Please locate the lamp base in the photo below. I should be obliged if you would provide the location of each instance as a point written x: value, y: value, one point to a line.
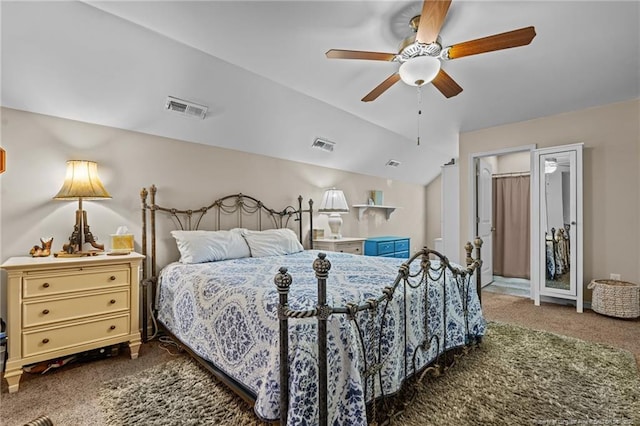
x: 335, y: 223
x: 76, y: 239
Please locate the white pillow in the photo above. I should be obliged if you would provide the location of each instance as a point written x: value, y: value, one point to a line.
x: 210, y: 246
x: 272, y: 242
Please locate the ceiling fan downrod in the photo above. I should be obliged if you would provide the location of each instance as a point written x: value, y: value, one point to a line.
x: 419, y: 110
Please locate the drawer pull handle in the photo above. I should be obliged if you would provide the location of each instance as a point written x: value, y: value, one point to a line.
x: 45, y: 312
x: 45, y: 341
x: 113, y: 327
x: 112, y: 277
x: 112, y: 301
x: 45, y: 285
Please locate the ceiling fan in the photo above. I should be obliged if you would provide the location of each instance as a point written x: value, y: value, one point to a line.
x: 421, y: 55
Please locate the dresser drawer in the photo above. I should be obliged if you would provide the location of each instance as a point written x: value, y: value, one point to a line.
x: 353, y: 248
x: 401, y: 245
x: 42, y: 312
x: 51, y: 339
x: 401, y: 254
x: 74, y: 280
x: 385, y: 248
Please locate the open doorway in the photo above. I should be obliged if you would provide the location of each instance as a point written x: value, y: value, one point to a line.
x: 501, y: 215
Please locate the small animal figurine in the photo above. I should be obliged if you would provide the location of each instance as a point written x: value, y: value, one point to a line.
x: 43, y: 251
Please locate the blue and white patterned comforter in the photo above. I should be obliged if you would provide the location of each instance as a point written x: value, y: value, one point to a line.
x: 227, y: 313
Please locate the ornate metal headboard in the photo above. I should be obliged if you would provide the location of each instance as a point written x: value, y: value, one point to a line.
x: 237, y: 206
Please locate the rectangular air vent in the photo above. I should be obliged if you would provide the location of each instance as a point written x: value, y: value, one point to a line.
x: 186, y: 108
x: 393, y: 163
x: 323, y: 144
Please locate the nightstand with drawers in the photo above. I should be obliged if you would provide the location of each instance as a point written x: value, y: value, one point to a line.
x: 387, y: 247
x: 62, y: 306
x: 343, y: 245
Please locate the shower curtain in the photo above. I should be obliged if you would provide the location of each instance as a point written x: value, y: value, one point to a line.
x: 511, y: 218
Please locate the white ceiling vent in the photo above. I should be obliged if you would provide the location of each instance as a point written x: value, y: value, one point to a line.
x: 393, y: 163
x: 323, y: 144
x: 186, y: 108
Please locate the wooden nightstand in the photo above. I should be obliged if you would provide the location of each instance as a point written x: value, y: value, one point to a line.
x: 61, y: 306
x: 343, y: 245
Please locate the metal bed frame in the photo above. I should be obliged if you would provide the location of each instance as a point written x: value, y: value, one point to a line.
x: 374, y: 359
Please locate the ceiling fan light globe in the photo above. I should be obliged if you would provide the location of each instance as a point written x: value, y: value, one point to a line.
x: 419, y: 70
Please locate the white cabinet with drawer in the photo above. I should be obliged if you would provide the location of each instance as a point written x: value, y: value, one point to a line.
x: 343, y: 245
x: 61, y: 306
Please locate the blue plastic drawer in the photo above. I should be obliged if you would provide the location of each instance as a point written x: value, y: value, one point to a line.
x: 402, y: 245
x: 385, y: 248
x: 402, y: 254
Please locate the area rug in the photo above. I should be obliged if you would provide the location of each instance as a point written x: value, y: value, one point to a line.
x: 517, y: 376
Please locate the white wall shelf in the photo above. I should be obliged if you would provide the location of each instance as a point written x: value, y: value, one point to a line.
x: 364, y: 207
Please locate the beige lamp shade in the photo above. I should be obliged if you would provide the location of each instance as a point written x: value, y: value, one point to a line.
x: 333, y: 201
x: 82, y: 181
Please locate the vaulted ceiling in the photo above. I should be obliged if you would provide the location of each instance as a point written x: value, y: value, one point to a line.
x: 260, y: 67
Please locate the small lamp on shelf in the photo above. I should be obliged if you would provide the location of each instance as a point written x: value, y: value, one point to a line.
x: 81, y: 182
x: 334, y: 204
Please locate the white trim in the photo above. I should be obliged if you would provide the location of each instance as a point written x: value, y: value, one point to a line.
x: 473, y: 196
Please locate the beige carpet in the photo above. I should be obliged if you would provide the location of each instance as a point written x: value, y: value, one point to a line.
x: 70, y: 396
x: 562, y: 319
x: 542, y: 378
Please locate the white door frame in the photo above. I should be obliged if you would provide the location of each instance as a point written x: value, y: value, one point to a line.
x: 473, y: 196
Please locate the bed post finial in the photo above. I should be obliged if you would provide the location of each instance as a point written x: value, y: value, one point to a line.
x: 468, y: 248
x: 322, y: 266
x: 283, y: 281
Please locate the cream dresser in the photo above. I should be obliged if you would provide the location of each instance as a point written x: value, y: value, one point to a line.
x: 343, y: 245
x: 61, y: 306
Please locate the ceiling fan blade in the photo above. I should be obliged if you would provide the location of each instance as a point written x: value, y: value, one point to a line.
x: 514, y: 38
x: 381, y: 88
x: 446, y: 85
x: 359, y: 54
x: 431, y: 20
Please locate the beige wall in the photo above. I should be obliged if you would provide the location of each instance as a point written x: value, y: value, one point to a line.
x: 187, y: 175
x: 513, y: 163
x: 433, y: 195
x: 611, y: 137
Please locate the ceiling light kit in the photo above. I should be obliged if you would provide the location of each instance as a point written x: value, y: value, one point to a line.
x: 421, y: 54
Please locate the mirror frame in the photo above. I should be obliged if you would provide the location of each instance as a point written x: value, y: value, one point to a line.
x: 538, y: 276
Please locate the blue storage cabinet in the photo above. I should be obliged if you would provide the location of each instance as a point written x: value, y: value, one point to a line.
x: 387, y: 247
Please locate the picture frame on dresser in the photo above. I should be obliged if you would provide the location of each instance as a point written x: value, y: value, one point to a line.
x: 62, y: 306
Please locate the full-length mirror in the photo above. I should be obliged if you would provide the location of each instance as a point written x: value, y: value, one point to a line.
x: 556, y: 220
x: 557, y: 223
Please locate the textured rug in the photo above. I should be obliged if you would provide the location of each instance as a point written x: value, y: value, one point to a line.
x: 517, y: 376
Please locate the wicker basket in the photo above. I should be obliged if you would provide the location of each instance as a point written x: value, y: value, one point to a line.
x: 615, y: 298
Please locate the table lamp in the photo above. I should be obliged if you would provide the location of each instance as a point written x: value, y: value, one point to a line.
x: 81, y: 182
x: 334, y: 203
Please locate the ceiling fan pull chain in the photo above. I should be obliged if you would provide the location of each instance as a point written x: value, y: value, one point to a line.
x: 419, y: 111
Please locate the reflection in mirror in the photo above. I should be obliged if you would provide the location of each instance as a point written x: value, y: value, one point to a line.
x: 557, y: 221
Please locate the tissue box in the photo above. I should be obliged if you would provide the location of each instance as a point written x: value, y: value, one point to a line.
x: 121, y: 243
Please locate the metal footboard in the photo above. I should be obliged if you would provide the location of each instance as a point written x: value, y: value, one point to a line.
x: 374, y: 355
